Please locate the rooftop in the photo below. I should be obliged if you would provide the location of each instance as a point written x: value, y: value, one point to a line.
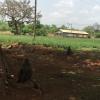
x: 74, y: 32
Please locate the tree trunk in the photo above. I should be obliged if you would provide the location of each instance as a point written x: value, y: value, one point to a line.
x: 16, y: 32
x: 16, y: 28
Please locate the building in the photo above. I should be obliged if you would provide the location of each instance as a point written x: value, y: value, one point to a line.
x: 72, y: 33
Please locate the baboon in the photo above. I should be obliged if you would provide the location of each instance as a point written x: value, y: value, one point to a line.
x: 25, y: 73
x: 69, y: 51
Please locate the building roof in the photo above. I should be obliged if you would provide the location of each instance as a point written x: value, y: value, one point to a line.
x: 74, y: 32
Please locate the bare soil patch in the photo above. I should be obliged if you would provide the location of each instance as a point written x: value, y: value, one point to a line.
x: 60, y: 77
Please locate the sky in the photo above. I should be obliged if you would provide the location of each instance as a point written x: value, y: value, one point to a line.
x: 79, y: 13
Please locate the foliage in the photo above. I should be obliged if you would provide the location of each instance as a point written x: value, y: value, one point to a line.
x: 17, y: 12
x: 27, y: 29
x: 89, y: 29
x: 4, y: 26
x: 63, y: 27
x: 96, y: 27
x: 94, y: 30
x: 53, y: 28
x: 98, y: 35
x: 41, y: 30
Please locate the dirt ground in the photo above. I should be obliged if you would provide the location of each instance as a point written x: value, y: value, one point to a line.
x: 59, y: 76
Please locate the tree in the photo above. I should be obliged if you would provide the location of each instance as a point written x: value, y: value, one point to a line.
x: 89, y: 29
x: 94, y: 30
x: 96, y: 27
x: 4, y: 26
x: 41, y: 29
x: 63, y: 27
x: 53, y: 29
x: 17, y: 12
x: 27, y: 29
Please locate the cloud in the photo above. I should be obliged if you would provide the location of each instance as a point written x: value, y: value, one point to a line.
x: 84, y: 12
x: 63, y: 7
x: 64, y: 3
x: 96, y: 8
x: 60, y: 11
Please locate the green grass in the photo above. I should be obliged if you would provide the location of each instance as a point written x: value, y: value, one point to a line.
x: 76, y: 43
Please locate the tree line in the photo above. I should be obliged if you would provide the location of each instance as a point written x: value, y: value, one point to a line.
x: 18, y: 13
x: 27, y: 29
x: 94, y: 30
x: 43, y: 30
x: 19, y: 16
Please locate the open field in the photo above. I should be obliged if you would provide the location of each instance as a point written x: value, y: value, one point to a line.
x: 57, y: 42
x: 60, y: 77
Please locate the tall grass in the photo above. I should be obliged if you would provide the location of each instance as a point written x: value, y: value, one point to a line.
x: 77, y: 43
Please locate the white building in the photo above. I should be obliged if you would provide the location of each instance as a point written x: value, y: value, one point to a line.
x: 72, y: 33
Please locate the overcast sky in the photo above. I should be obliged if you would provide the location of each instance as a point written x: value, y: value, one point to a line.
x: 77, y: 12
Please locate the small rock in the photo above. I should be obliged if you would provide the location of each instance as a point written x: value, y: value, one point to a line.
x: 71, y: 72
x: 72, y: 98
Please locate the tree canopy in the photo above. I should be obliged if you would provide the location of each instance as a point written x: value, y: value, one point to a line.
x: 17, y: 12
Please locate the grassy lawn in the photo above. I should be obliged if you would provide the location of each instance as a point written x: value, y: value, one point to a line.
x: 76, y: 43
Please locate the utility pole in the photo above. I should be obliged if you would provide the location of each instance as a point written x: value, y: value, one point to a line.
x: 93, y: 37
x: 71, y: 27
x: 35, y: 21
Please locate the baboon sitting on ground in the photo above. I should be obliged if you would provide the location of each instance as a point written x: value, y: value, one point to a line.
x: 25, y: 73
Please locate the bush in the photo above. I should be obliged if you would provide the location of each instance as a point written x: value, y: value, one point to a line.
x: 4, y: 26
x: 98, y: 36
x: 27, y: 29
x: 41, y: 32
